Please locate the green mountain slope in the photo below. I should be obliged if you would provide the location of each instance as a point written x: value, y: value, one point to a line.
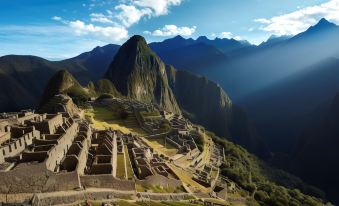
x: 64, y: 83
x: 266, y: 185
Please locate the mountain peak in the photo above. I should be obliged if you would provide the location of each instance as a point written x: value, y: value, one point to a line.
x: 324, y: 21
x: 136, y: 45
x: 137, y: 38
x: 178, y: 37
x: 323, y: 24
x: 137, y: 72
x: 135, y: 41
x: 202, y: 38
x: 61, y: 82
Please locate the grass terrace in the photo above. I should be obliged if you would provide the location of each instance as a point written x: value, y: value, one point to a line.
x: 158, y: 144
x: 121, y: 166
x: 158, y: 189
x: 130, y: 174
x: 109, y: 117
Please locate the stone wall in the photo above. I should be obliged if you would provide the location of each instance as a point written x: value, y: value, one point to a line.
x: 59, y: 151
x: 49, y: 125
x: 160, y: 180
x: 17, y: 145
x: 62, y: 182
x: 106, y: 181
x: 24, y: 179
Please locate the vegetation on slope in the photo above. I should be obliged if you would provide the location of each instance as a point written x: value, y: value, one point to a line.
x: 267, y: 186
x: 137, y: 72
x: 105, y: 86
x: 64, y: 83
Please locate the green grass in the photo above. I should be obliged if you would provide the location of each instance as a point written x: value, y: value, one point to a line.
x: 154, y: 113
x: 158, y: 189
x: 130, y: 174
x: 214, y: 173
x: 120, y: 166
x: 179, y: 204
x: 159, y: 145
x: 154, y: 203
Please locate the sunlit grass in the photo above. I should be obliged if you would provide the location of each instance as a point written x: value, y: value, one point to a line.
x: 186, y: 178
x: 105, y: 118
x: 120, y: 166
x: 158, y: 145
x: 158, y: 189
x: 130, y: 174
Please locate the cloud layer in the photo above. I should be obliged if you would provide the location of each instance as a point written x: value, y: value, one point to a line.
x: 227, y: 35
x: 110, y: 33
x: 298, y: 21
x: 113, y: 24
x: 172, y: 30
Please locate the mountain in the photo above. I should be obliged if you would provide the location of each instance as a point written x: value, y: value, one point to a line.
x: 193, y: 57
x: 171, y: 44
x: 282, y: 110
x: 265, y: 66
x: 215, y: 110
x: 200, y: 54
x: 97, y: 60
x: 317, y: 154
x: 274, y: 40
x: 105, y: 86
x: 64, y: 83
x: 23, y: 78
x: 138, y: 73
x: 223, y: 44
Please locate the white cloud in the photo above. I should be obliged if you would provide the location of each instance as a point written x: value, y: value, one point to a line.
x: 130, y: 15
x: 56, y: 18
x: 298, y: 21
x: 117, y: 21
x: 101, y: 18
x: 159, y: 7
x: 111, y: 33
x: 172, y: 30
x: 226, y: 34
x: 130, y: 12
x: 238, y: 38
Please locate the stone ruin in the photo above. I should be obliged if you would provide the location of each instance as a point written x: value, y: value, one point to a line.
x: 52, y: 152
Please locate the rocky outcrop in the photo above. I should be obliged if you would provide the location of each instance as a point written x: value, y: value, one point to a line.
x: 64, y: 83
x: 60, y: 103
x: 201, y: 100
x: 138, y: 73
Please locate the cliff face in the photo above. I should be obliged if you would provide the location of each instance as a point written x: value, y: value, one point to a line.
x: 201, y: 100
x: 138, y: 73
x: 206, y: 103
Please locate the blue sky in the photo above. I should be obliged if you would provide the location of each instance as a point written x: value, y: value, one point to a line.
x: 57, y: 29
